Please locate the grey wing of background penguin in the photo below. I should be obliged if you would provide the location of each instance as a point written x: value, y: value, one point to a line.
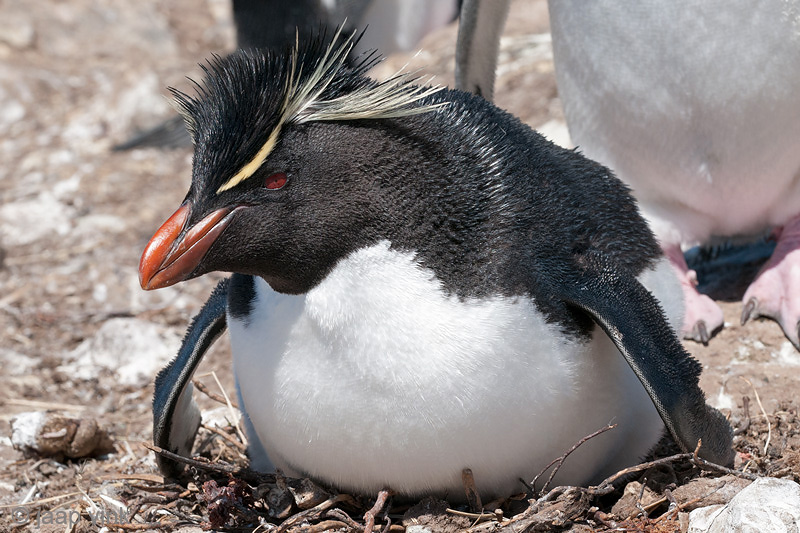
x: 479, y: 28
x: 176, y: 417
x: 632, y: 318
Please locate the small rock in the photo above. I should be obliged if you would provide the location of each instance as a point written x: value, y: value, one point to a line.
x: 767, y: 505
x: 279, y: 501
x: 307, y: 494
x: 17, y: 30
x: 626, y: 506
x: 702, y: 492
x: 26, y: 221
x: 91, y: 226
x: 16, y: 364
x: 12, y: 111
x: 788, y: 356
x: 221, y: 417
x: 54, y: 435
x: 133, y: 349
x: 431, y: 515
x: 420, y: 529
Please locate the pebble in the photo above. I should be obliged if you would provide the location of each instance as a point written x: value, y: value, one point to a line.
x: 26, y: 221
x: 50, y: 435
x: 16, y: 30
x: 767, y: 505
x: 132, y: 349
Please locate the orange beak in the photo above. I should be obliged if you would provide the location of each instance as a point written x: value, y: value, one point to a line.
x: 174, y: 252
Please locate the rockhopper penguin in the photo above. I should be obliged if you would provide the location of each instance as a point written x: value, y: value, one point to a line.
x: 421, y: 284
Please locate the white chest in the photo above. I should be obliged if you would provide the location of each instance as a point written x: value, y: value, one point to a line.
x: 377, y: 378
x: 704, y: 101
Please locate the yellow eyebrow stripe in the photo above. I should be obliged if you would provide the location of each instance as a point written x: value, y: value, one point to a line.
x: 250, y: 168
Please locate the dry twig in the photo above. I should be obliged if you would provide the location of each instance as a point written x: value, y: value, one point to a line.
x: 311, y: 513
x: 560, y: 460
x: 202, y: 465
x: 228, y: 438
x: 344, y: 517
x: 369, y: 516
x: 606, y: 486
x: 763, y: 412
x: 199, y: 385
x: 142, y: 526
x: 473, y: 496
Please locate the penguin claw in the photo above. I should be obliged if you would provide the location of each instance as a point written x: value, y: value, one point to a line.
x: 797, y: 332
x: 700, y: 333
x: 774, y: 294
x: 750, y: 310
x: 702, y: 316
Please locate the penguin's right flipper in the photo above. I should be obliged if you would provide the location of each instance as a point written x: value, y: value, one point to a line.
x: 170, y: 134
x: 631, y: 316
x: 176, y: 417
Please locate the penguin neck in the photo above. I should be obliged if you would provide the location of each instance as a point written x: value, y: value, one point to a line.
x: 375, y: 287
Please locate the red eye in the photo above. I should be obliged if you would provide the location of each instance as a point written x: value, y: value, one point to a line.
x: 276, y: 181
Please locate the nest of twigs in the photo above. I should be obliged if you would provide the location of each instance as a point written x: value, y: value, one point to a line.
x: 219, y: 492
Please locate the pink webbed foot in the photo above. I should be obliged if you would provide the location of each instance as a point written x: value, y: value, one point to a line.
x: 775, y: 293
x: 702, y: 317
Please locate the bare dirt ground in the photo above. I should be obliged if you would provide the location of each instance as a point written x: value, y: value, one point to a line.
x: 79, y: 339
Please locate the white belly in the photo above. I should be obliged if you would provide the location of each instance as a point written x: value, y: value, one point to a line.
x: 694, y: 104
x: 377, y: 379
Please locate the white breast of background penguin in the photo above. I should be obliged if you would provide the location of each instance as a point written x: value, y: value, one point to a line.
x: 352, y: 383
x: 694, y: 104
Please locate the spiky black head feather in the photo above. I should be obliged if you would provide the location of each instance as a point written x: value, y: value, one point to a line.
x: 248, y: 97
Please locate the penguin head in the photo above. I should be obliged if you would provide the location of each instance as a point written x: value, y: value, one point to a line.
x: 280, y: 182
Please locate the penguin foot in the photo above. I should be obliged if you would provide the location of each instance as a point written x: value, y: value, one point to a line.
x: 775, y: 293
x: 702, y: 316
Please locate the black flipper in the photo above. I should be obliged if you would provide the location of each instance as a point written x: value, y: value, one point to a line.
x: 175, y: 415
x: 634, y: 321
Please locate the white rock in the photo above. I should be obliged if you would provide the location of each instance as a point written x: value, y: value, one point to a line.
x: 12, y: 111
x: 26, y: 221
x: 723, y: 400
x: 220, y: 417
x: 418, y: 529
x: 788, y: 355
x: 94, y: 226
x: 100, y: 292
x: 25, y: 427
x: 133, y: 349
x: 765, y: 506
x: 66, y: 189
x: 15, y: 363
x: 16, y: 30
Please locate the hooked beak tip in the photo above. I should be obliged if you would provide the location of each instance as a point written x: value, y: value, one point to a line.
x: 175, y: 251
